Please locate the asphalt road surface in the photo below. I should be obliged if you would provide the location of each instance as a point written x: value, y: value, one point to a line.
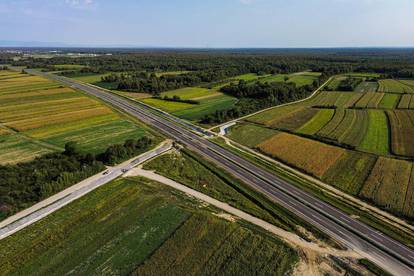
x: 370, y: 243
x: 42, y: 209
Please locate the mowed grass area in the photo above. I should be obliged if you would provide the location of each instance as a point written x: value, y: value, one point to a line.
x: 38, y: 108
x: 138, y: 226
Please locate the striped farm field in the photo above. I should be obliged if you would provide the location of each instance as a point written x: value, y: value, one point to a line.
x: 271, y: 116
x: 350, y: 172
x: 295, y: 120
x: 250, y: 135
x: 389, y: 101
x: 376, y: 138
x: 406, y: 102
x: 402, y: 132
x: 336, y: 99
x: 394, y: 86
x: 317, y: 122
x: 346, y: 127
x: 369, y: 100
x: 389, y: 185
x: 37, y: 108
x: 307, y: 155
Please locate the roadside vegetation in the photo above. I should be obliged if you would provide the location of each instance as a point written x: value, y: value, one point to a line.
x: 25, y: 184
x: 153, y: 228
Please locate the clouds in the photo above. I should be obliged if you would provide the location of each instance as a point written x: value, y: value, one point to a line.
x: 80, y: 3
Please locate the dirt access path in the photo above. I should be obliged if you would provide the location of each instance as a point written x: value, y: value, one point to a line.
x: 291, y: 238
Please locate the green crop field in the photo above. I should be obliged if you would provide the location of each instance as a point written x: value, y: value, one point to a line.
x: 406, y: 102
x: 369, y: 100
x: 317, y: 122
x: 149, y: 223
x: 390, y: 186
x: 350, y: 172
x: 250, y: 135
x: 295, y: 120
x: 207, y: 106
x: 389, y: 101
x: 402, y: 132
x: 336, y: 99
x: 271, y: 116
x: 376, y: 139
x: 394, y: 86
x: 38, y: 108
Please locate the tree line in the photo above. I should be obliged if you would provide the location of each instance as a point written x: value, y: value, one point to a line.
x: 257, y: 95
x: 25, y: 184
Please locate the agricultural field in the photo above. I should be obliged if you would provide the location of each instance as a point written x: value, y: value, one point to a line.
x: 390, y: 186
x: 307, y: 155
x: 402, y: 132
x: 250, y: 135
x: 37, y: 109
x: 295, y: 120
x: 150, y: 224
x: 369, y: 100
x: 376, y: 139
x: 272, y: 116
x: 395, y: 86
x: 350, y: 172
x: 367, y: 86
x: 192, y: 93
x: 389, y: 101
x: 317, y: 122
x: 206, y: 107
x: 336, y: 99
x: 348, y: 126
x: 406, y: 102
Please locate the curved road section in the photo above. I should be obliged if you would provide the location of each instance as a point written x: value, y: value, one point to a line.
x: 370, y: 243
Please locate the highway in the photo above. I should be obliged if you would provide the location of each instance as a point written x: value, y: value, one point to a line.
x: 387, y: 253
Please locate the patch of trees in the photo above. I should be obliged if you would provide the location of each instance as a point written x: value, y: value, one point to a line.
x: 120, y: 152
x: 349, y: 84
x: 256, y: 96
x: 25, y: 184
x: 177, y: 99
x: 4, y: 67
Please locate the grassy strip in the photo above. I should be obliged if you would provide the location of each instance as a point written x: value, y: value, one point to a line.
x: 206, y: 177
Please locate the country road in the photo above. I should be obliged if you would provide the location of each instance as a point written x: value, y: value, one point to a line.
x: 370, y: 243
x: 63, y: 198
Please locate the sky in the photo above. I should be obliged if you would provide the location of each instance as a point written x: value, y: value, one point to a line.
x: 210, y: 23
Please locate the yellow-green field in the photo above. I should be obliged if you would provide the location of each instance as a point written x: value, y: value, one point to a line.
x: 36, y: 109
